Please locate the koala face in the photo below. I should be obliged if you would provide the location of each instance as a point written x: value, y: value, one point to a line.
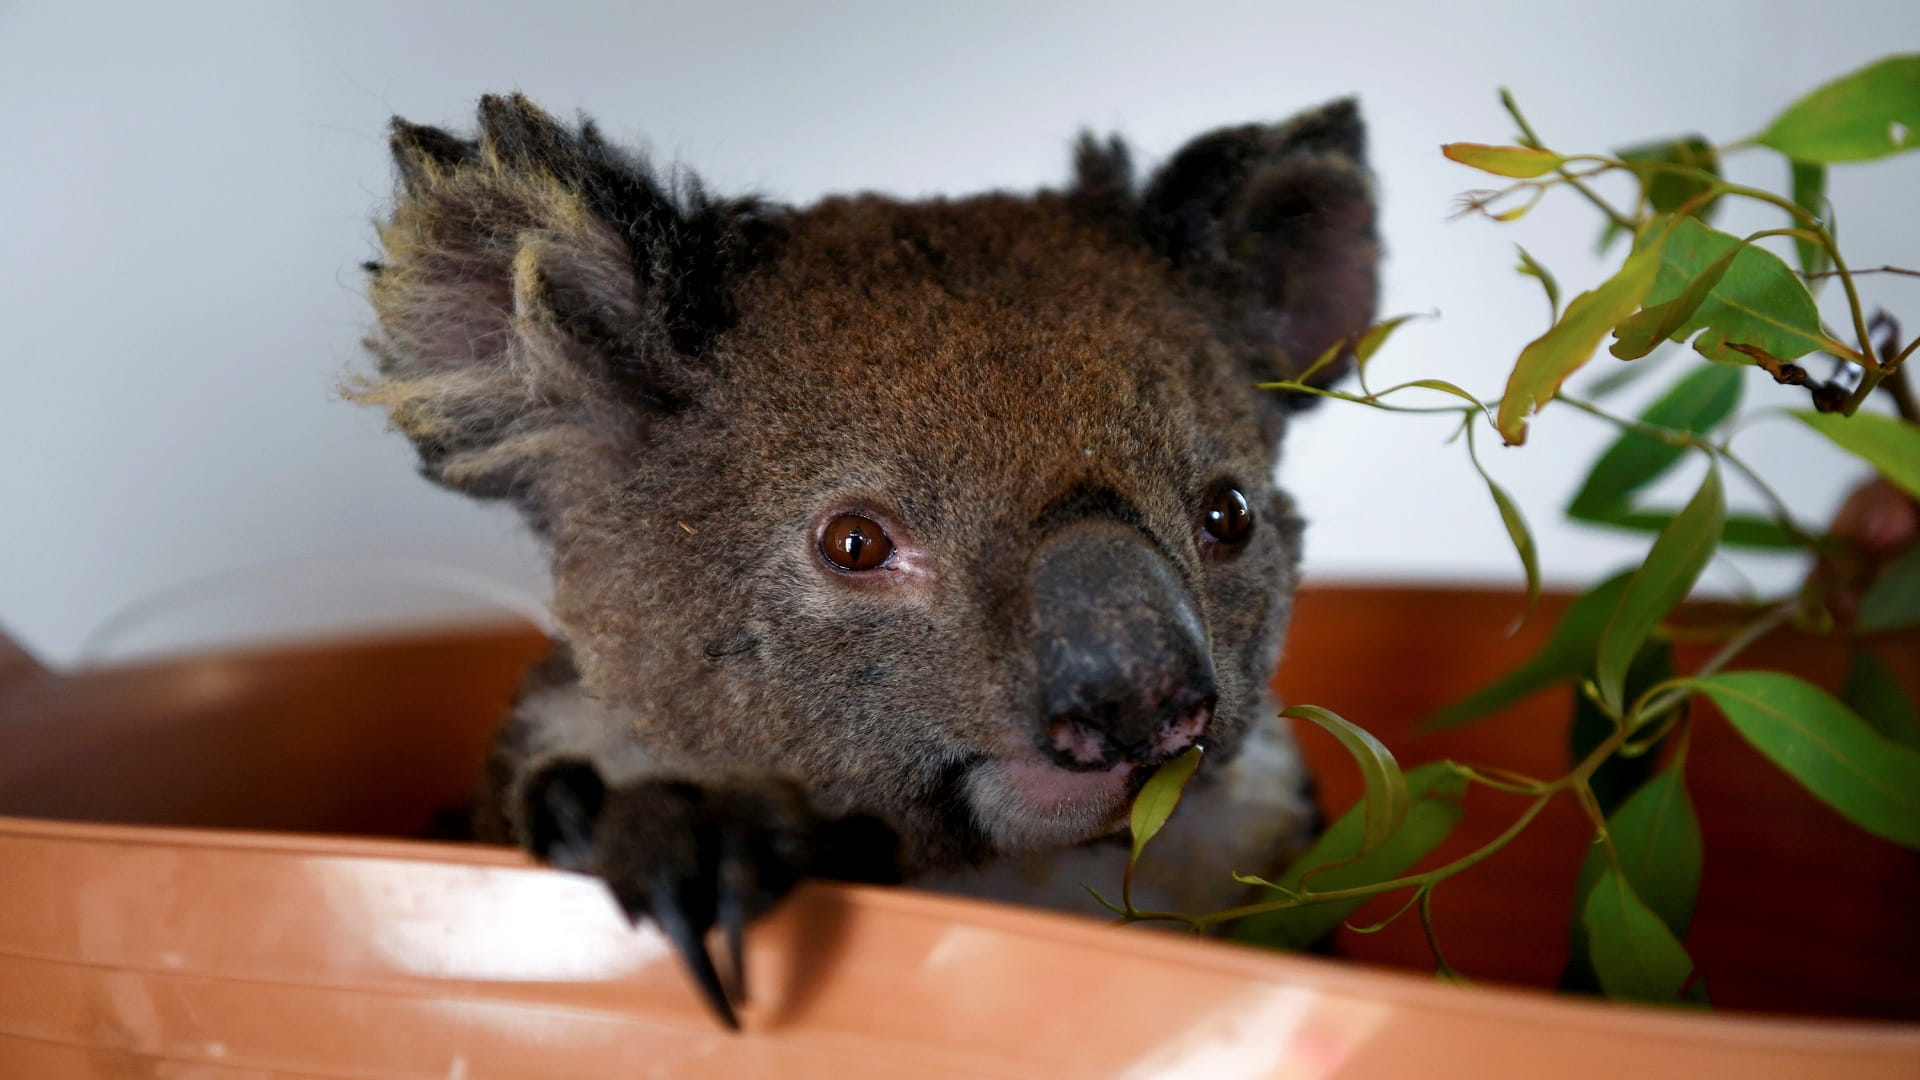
x: 959, y: 514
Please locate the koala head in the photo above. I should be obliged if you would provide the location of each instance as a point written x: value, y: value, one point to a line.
x: 956, y: 512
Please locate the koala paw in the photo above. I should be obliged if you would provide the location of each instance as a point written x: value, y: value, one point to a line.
x: 690, y: 856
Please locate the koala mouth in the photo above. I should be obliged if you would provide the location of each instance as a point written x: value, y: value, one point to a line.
x: 1051, y: 789
x: 1027, y: 805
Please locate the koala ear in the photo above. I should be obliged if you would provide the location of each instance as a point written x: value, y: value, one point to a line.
x: 1273, y: 227
x: 541, y: 297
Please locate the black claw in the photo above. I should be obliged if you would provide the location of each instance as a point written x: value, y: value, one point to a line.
x: 671, y: 916
x: 731, y: 912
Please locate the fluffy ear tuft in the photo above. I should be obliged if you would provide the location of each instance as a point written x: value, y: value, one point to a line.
x: 1273, y: 226
x: 1103, y: 188
x: 540, y: 296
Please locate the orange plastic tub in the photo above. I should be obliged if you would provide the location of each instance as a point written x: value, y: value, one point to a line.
x: 215, y: 949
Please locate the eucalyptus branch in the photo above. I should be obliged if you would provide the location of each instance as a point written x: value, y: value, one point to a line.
x: 1856, y: 273
x: 1441, y: 967
x: 1819, y: 228
x: 1668, y: 695
x: 1723, y: 451
x: 1526, y: 130
x: 1717, y: 187
x: 1371, y: 399
x: 1670, y: 436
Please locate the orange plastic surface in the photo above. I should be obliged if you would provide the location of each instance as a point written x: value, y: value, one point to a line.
x: 141, y: 952
x: 133, y: 951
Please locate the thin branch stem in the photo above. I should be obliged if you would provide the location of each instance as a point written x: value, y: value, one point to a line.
x: 1662, y: 698
x: 1870, y: 270
x: 1619, y: 219
x: 1670, y: 436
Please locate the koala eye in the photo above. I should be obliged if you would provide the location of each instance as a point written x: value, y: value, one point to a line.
x: 1227, y: 518
x: 852, y: 542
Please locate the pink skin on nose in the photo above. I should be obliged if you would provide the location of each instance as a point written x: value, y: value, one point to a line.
x: 1182, y: 731
x: 1078, y: 741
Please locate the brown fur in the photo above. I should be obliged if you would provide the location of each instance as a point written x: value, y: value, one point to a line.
x: 680, y: 391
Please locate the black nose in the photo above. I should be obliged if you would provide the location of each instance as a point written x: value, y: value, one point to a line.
x: 1124, y: 669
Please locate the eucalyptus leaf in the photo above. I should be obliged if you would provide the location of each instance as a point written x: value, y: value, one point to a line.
x: 1376, y: 336
x: 1566, y: 656
x: 1654, y: 324
x: 1335, y: 862
x: 1385, y: 803
x: 1656, y: 836
x: 1549, y: 359
x: 1757, y: 300
x: 1634, y: 953
x: 1869, y: 114
x: 1872, y: 691
x: 1743, y: 530
x: 1532, y: 268
x: 1833, y: 753
x: 1890, y: 445
x: 1696, y: 404
x: 1159, y: 796
x: 1666, y: 190
x: 1522, y: 162
x: 1678, y: 555
x: 1810, y: 194
x: 1516, y: 524
x: 1893, y: 601
x: 1522, y: 538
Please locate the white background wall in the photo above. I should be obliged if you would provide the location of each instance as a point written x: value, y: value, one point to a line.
x: 187, y: 191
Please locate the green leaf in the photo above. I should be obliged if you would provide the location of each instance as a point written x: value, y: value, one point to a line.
x: 1532, y: 268
x: 1516, y: 161
x: 1893, y: 602
x: 1160, y: 795
x: 1636, y: 956
x: 1335, y: 862
x: 1514, y: 520
x: 1610, y: 233
x: 1743, y: 530
x: 1757, y: 301
x: 1810, y: 194
x: 1891, y: 446
x: 1376, y: 336
x: 1566, y: 656
x: 1868, y: 114
x: 1386, y: 788
x: 1696, y: 404
x: 1521, y: 536
x: 1679, y: 553
x: 1657, y: 839
x: 1833, y: 753
x: 1444, y: 387
x: 1569, y: 344
x: 1666, y: 190
x: 1654, y: 324
x: 1872, y: 691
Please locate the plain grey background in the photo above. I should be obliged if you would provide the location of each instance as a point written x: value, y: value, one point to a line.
x: 188, y: 190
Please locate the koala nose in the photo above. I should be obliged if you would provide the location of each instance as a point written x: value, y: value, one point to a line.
x: 1124, y: 670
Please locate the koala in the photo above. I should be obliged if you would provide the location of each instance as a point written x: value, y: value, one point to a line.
x: 891, y: 540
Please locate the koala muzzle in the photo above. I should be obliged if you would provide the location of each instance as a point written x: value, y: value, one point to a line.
x: 1125, y: 675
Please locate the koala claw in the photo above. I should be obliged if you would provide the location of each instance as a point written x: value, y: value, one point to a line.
x: 691, y: 856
